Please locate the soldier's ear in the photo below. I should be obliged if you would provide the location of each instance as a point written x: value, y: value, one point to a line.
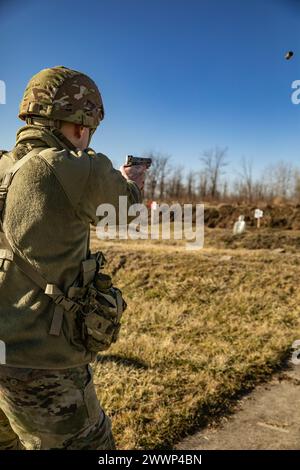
x: 78, y: 131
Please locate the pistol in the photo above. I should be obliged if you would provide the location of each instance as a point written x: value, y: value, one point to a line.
x: 131, y: 160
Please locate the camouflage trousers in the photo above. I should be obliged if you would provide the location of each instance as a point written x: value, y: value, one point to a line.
x: 51, y: 409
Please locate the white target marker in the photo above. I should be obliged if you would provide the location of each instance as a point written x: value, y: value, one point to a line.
x: 258, y: 214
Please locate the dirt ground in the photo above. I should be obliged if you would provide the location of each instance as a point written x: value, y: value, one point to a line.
x: 276, y: 216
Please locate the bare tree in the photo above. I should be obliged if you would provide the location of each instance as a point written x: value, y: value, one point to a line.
x: 225, y: 191
x: 260, y: 191
x: 156, y: 175
x: 164, y: 170
x: 152, y: 177
x: 175, y: 187
x: 190, y: 189
x: 278, y: 180
x: 296, y: 185
x: 214, y: 161
x: 203, y: 185
x: 246, y: 186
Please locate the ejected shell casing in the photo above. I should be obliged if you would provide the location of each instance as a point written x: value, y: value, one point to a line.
x: 289, y: 55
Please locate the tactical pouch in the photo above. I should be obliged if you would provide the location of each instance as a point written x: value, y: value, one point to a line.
x: 102, y: 306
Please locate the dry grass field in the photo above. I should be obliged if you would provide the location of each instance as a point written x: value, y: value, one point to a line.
x: 201, y: 328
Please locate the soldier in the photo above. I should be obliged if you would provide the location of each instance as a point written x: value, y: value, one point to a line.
x: 52, y: 184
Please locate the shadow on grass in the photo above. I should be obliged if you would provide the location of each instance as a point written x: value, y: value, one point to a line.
x: 124, y: 361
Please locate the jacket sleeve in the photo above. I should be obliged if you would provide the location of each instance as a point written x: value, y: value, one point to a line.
x: 106, y: 185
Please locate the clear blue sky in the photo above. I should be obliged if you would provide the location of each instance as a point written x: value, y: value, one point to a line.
x: 177, y: 76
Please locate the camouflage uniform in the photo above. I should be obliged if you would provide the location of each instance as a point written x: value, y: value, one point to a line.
x: 47, y: 396
x: 54, y: 409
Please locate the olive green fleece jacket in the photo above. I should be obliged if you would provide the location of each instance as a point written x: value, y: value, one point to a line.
x: 50, y: 205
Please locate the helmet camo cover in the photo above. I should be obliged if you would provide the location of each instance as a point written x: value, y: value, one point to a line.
x: 63, y: 94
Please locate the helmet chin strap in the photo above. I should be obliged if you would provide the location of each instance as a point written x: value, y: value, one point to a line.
x: 59, y: 135
x: 92, y: 131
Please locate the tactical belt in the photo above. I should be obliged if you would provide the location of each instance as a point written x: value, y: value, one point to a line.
x: 63, y: 303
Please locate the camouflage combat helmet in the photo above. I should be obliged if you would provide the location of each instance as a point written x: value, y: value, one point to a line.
x: 61, y: 94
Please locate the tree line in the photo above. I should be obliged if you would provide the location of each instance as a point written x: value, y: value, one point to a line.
x: 280, y: 182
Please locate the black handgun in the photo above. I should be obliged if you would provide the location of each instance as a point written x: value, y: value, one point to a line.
x: 131, y: 160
